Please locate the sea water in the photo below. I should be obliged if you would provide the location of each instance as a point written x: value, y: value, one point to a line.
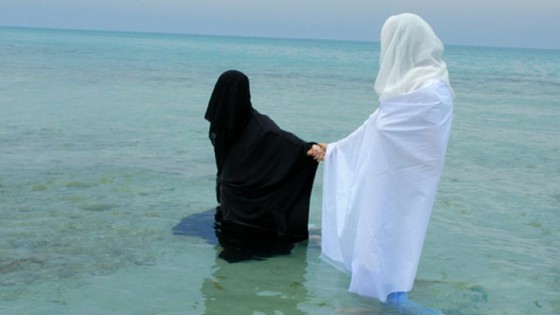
x: 104, y: 149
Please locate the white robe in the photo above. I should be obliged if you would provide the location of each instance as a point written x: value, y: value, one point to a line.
x: 379, y: 188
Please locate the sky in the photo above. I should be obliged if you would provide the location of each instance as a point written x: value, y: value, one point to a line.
x: 495, y: 23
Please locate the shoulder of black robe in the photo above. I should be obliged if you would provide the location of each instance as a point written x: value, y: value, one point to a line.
x: 267, y: 178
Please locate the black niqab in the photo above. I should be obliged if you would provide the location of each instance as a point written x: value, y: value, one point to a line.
x: 228, y: 111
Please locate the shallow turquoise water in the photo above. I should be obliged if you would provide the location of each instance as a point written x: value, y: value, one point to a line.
x: 103, y: 149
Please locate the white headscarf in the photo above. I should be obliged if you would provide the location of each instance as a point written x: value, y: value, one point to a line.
x: 411, y: 55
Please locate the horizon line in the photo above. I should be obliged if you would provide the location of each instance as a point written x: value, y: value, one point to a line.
x: 253, y: 36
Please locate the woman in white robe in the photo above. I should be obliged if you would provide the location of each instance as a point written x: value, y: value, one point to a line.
x: 380, y: 181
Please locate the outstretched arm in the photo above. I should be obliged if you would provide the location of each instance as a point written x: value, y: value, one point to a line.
x: 318, y: 151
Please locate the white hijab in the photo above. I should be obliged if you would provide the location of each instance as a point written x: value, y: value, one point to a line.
x: 411, y: 55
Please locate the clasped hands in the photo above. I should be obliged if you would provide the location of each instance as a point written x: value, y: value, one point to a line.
x: 318, y: 151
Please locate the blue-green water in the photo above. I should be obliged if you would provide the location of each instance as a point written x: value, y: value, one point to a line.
x: 103, y: 149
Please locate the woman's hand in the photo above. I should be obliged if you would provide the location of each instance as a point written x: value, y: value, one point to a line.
x: 318, y: 151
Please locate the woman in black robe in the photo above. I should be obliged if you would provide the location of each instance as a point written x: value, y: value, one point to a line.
x: 264, y: 176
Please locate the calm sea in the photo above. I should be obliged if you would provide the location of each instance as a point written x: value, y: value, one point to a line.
x: 104, y: 149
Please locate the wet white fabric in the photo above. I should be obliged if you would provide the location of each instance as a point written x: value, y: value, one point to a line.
x: 379, y: 188
x: 411, y: 54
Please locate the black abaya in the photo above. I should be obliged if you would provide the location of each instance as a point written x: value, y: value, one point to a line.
x: 264, y: 175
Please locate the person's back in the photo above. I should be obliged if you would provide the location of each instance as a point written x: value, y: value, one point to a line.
x: 264, y: 175
x: 266, y: 179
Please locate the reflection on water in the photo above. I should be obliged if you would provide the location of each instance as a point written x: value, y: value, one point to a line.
x: 271, y: 287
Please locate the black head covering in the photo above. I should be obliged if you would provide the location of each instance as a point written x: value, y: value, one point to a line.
x: 228, y: 110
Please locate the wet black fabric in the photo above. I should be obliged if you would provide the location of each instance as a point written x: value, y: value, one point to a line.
x: 238, y: 242
x: 264, y: 175
x: 241, y: 243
